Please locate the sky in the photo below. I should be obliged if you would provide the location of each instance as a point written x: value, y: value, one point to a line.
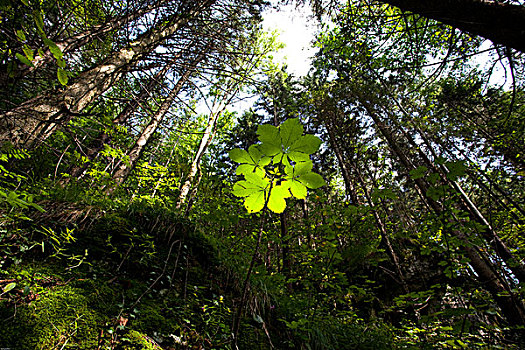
x: 296, y: 29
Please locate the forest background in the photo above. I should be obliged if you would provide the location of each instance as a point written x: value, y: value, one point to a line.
x: 375, y: 203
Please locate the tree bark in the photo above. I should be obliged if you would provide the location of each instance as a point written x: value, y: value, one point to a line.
x: 499, y: 22
x: 230, y: 89
x: 349, y: 186
x: 78, y: 40
x: 511, y: 305
x: 104, y: 138
x: 206, y: 140
x: 384, y: 234
x: 136, y: 151
x: 35, y: 120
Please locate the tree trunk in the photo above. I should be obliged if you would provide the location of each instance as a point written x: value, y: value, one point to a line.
x: 78, y: 40
x: 502, y: 23
x: 230, y: 90
x: 103, y: 138
x: 384, y: 234
x: 136, y: 151
x: 206, y: 140
x: 285, y: 250
x: 487, y: 231
x: 350, y: 188
x: 35, y: 120
x: 511, y: 305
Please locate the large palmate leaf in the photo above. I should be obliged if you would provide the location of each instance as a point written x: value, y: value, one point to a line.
x: 306, y: 144
x: 276, y: 202
x: 270, y: 139
x: 311, y: 180
x: 250, y: 160
x: 277, y: 168
x: 254, y: 189
x: 255, y: 202
x: 291, y: 130
x: 297, y: 189
x: 301, y: 177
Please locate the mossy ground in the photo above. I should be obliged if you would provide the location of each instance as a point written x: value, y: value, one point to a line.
x: 131, y: 291
x: 142, y: 278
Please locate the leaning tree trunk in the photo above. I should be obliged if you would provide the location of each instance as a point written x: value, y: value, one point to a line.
x: 345, y: 171
x: 502, y: 23
x: 35, y: 120
x: 511, y: 305
x: 516, y: 266
x: 230, y: 89
x: 97, y: 145
x: 78, y: 40
x: 136, y: 151
x: 351, y: 189
x: 206, y: 140
x: 466, y: 204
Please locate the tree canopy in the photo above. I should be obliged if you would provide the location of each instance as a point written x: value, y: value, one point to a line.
x: 376, y: 202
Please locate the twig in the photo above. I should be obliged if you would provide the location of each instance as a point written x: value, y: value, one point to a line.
x: 158, y: 278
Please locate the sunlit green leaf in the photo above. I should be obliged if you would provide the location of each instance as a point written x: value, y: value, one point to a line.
x: 270, y: 138
x: 9, y: 287
x: 62, y: 76
x: 240, y: 156
x: 286, y: 149
x: 298, y: 189
x: 28, y: 52
x: 245, y: 168
x: 269, y: 134
x: 53, y: 48
x: 21, y: 35
x: 254, y: 153
x: 312, y: 180
x: 290, y: 130
x: 61, y: 63
x: 299, y: 156
x: 24, y: 59
x: 264, y: 161
x: 255, y: 202
x: 39, y: 20
x: 307, y: 144
x: 257, y: 178
x: 244, y: 188
x: 276, y: 202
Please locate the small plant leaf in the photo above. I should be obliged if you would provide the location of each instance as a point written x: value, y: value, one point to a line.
x: 39, y: 20
x: 53, y: 48
x: 28, y: 52
x: 418, y: 173
x: 21, y: 35
x: 24, y: 60
x: 62, y: 76
x: 9, y: 287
